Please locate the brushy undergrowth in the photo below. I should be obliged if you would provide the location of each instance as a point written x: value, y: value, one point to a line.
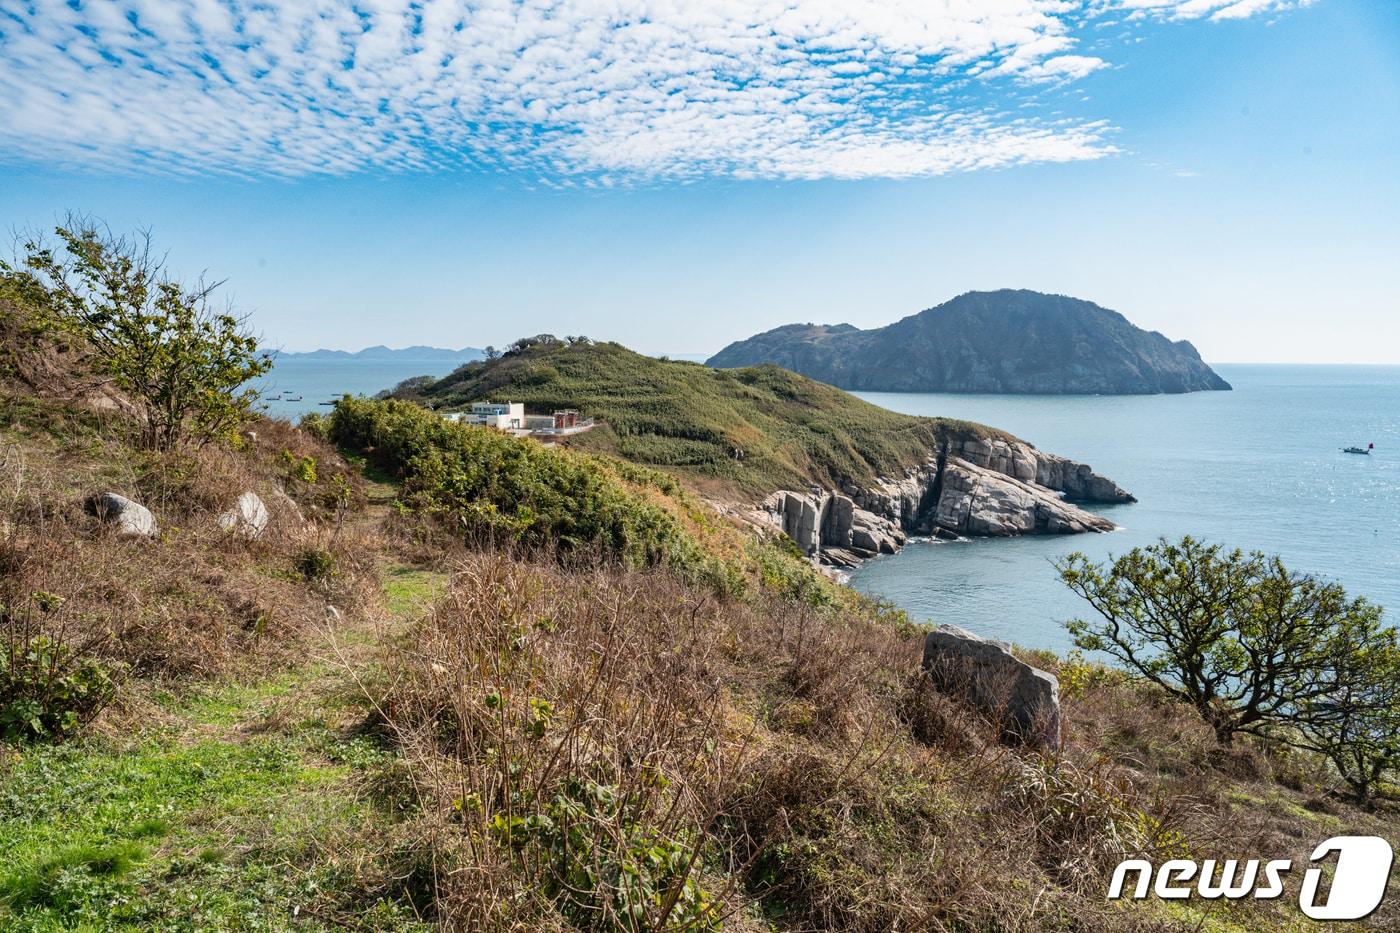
x: 495, y: 490
x: 624, y: 752
x: 600, y: 707
x: 82, y: 609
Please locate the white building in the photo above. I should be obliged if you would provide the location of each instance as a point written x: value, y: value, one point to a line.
x: 511, y: 418
x: 503, y: 416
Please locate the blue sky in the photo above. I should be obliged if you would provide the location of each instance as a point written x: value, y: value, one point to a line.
x: 679, y: 175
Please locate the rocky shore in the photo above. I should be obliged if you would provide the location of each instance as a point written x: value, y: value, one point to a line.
x: 972, y: 487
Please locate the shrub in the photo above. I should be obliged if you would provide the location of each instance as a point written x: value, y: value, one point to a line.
x: 316, y: 563
x: 47, y: 689
x: 1252, y: 646
x: 497, y: 487
x: 160, y: 342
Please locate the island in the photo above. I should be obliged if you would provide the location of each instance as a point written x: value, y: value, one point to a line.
x: 1006, y: 341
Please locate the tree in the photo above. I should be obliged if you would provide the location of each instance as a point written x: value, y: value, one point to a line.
x: 1358, y: 729
x: 1248, y: 643
x: 182, y: 364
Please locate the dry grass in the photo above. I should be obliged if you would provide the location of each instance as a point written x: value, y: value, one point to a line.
x: 581, y: 747
x: 791, y: 765
x: 197, y: 602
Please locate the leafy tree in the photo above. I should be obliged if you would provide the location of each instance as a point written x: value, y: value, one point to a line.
x: 181, y: 363
x: 1357, y: 729
x: 1247, y: 642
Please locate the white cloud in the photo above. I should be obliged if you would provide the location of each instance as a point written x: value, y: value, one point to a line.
x: 1215, y: 9
x: 573, y: 91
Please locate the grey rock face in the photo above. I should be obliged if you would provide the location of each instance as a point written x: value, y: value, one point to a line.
x: 977, y: 501
x: 132, y: 519
x: 796, y: 515
x: 822, y: 522
x: 980, y: 486
x: 1025, y: 699
x: 248, y: 517
x: 1021, y: 461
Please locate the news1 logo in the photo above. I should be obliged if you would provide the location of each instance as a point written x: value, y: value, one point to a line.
x: 1358, y: 882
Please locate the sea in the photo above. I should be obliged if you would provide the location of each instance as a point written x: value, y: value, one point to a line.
x: 1259, y: 468
x: 298, y: 386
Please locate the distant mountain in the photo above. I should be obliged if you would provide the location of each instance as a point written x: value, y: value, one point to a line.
x: 1012, y: 340
x: 382, y: 354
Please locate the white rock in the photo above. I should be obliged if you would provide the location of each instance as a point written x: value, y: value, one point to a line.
x: 980, y: 501
x: 248, y: 517
x: 133, y: 520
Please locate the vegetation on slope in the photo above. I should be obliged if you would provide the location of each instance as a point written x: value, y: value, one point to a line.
x: 501, y: 491
x: 472, y: 683
x: 757, y: 429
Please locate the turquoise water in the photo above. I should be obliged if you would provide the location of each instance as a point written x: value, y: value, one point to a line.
x: 323, y: 380
x: 1259, y: 467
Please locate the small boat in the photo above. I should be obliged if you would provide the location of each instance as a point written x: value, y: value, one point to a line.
x: 1359, y: 450
x: 293, y: 398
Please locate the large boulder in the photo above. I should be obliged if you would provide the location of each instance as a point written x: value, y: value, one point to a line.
x: 1024, y: 699
x: 131, y: 519
x: 837, y: 517
x: 798, y: 515
x: 248, y: 517
x: 875, y: 533
x: 981, y: 501
x: 1021, y: 461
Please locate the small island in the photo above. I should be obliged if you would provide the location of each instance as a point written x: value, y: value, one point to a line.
x: 1006, y: 341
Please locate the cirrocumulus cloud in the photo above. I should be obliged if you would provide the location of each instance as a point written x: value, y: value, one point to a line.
x: 569, y: 91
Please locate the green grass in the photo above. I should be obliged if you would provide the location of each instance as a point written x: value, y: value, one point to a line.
x: 194, y: 825
x: 409, y: 591
x: 689, y: 418
x: 496, y: 489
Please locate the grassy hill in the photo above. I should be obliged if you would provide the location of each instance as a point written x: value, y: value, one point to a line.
x: 457, y: 746
x: 688, y: 418
x: 462, y: 681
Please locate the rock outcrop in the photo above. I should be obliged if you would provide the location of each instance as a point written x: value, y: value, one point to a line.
x: 982, y: 502
x: 1025, y: 699
x: 1021, y: 461
x: 978, y: 486
x: 131, y: 519
x: 247, y: 519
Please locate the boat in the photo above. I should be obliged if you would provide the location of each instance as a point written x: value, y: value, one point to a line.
x: 1359, y: 450
x: 293, y: 398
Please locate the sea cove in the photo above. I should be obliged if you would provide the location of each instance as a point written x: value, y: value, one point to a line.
x: 1259, y: 467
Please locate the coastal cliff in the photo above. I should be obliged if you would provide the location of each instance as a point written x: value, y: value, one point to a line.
x: 1011, y: 340
x: 975, y: 487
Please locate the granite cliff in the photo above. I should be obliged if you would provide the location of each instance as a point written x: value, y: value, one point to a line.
x: 1001, y: 341
x: 972, y: 487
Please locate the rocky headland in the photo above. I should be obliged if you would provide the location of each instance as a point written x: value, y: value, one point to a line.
x: 976, y: 487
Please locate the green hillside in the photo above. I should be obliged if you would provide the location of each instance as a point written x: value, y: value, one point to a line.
x: 756, y: 429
